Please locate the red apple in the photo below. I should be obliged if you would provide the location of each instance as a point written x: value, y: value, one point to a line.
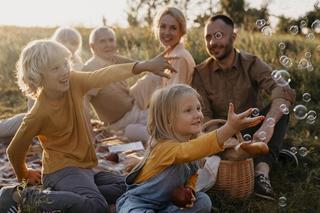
x: 181, y: 196
x: 112, y: 157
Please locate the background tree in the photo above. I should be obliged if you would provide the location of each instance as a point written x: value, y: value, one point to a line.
x: 234, y: 9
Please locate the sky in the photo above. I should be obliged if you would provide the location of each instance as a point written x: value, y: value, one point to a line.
x: 89, y: 12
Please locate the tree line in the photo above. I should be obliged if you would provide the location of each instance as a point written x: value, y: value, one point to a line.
x: 141, y: 13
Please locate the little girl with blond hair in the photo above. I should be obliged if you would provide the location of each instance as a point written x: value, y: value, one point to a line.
x: 175, y: 123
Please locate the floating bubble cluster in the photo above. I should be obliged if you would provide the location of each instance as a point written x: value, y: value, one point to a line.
x: 285, y: 61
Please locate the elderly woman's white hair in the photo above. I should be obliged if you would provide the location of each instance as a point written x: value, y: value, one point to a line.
x: 69, y: 37
x: 176, y: 14
x: 93, y: 34
x: 35, y: 59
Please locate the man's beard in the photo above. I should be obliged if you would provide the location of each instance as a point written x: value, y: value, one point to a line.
x: 227, y: 50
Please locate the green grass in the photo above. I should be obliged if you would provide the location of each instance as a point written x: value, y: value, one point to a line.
x: 301, y: 186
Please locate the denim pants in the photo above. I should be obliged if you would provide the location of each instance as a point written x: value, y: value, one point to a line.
x: 153, y: 195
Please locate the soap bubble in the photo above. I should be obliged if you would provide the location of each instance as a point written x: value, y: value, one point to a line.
x: 270, y: 122
x: 300, y: 112
x: 294, y: 150
x: 303, y: 64
x: 218, y: 35
x: 284, y: 109
x: 285, y: 61
x: 310, y: 36
x: 303, y: 23
x: 262, y: 135
x: 247, y: 137
x: 310, y: 68
x: 303, y: 151
x: 261, y: 23
x: 315, y: 26
x: 312, y: 114
x: 281, y: 77
x: 306, y: 97
x: 267, y: 31
x: 294, y: 29
x: 310, y: 120
x: 307, y: 55
x: 255, y: 112
x: 282, y: 201
x: 282, y: 46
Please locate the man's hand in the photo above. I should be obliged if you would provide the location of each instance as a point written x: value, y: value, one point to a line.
x: 33, y: 177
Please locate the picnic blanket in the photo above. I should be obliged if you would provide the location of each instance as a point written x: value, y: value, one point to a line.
x: 129, y: 155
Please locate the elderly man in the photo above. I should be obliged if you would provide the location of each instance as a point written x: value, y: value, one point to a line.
x: 230, y: 75
x: 114, y: 104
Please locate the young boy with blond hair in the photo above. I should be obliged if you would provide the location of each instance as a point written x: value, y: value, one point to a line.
x: 58, y: 117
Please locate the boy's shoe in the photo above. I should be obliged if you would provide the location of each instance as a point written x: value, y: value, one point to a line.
x: 7, y: 204
x: 263, y: 188
x: 288, y: 158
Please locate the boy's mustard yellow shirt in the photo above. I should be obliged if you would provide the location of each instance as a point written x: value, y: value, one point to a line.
x: 171, y: 152
x: 66, y: 138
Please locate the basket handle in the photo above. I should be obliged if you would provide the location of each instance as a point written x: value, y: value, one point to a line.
x: 217, y: 123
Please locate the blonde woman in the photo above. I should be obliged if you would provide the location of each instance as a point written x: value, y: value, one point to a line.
x: 72, y: 40
x: 169, y: 28
x: 174, y: 123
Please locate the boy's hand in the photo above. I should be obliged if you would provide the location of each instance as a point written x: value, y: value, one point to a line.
x: 156, y: 65
x: 33, y: 177
x: 241, y: 121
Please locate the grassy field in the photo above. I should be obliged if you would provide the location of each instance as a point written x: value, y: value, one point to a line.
x: 300, y: 186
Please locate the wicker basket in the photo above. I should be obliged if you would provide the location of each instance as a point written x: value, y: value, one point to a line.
x: 235, y: 179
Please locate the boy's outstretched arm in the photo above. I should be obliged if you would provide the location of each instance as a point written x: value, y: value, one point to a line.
x: 118, y: 72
